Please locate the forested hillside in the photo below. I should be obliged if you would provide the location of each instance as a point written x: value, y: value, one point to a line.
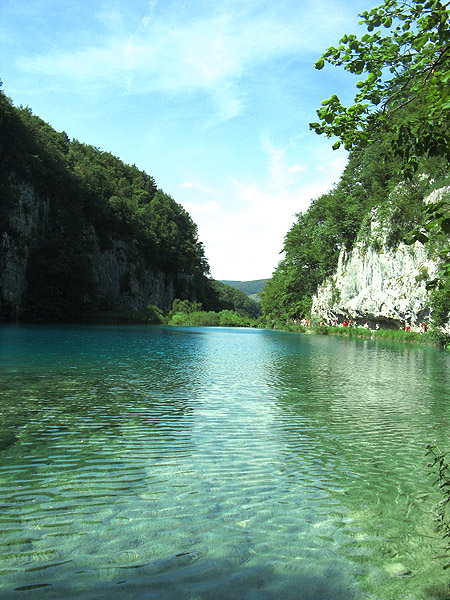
x: 251, y: 288
x: 335, y: 220
x: 82, y: 231
x: 397, y: 132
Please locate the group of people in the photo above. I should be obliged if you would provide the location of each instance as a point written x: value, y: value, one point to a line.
x: 350, y: 323
x: 347, y: 322
x: 423, y: 327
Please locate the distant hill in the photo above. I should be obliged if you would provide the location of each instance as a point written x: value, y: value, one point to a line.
x: 251, y: 288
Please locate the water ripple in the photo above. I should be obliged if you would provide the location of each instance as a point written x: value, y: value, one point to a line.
x: 214, y: 464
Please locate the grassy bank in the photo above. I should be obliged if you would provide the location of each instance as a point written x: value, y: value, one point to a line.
x: 228, y: 318
x: 430, y: 338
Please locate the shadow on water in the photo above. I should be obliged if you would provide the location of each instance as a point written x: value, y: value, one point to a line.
x: 181, y: 578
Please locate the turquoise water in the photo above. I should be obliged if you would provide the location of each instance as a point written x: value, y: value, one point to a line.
x: 154, y: 462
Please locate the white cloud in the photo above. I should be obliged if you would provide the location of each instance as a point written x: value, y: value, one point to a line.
x: 191, y: 185
x: 247, y: 240
x: 186, y: 51
x: 297, y: 169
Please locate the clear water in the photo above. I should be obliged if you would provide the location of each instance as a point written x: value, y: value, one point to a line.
x: 153, y: 462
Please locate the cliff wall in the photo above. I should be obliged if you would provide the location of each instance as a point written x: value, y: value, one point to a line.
x: 119, y: 274
x: 378, y: 284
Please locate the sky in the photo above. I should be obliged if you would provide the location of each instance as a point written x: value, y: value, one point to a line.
x: 212, y: 99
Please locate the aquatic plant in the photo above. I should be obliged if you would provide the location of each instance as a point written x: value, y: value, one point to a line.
x: 440, y: 464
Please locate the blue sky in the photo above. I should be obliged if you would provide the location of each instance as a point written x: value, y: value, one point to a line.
x: 212, y: 99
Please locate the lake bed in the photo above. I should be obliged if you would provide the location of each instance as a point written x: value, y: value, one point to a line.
x: 143, y: 462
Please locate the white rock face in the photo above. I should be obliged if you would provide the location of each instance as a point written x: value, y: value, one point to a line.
x: 385, y: 286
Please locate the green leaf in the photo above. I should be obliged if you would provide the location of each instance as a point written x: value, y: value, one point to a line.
x: 431, y: 285
x: 445, y: 225
x: 336, y: 145
x: 319, y: 64
x: 422, y: 238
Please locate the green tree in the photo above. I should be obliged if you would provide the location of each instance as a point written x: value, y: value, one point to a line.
x: 233, y: 299
x: 89, y: 195
x: 185, y: 307
x: 404, y: 59
x: 404, y: 93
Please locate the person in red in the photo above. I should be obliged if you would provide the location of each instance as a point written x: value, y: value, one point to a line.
x: 344, y: 323
x: 407, y: 327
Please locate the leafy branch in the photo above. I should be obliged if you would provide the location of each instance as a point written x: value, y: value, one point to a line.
x: 440, y: 464
x: 405, y: 57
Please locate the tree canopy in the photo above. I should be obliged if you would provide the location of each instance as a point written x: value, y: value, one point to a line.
x: 403, y: 96
x: 404, y: 59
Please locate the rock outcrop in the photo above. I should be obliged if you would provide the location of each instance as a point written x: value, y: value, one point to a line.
x: 27, y: 221
x: 121, y: 276
x: 384, y: 285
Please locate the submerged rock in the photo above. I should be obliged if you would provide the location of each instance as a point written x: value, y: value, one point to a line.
x: 397, y: 570
x: 7, y: 439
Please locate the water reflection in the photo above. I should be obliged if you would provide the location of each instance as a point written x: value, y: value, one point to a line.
x: 361, y: 413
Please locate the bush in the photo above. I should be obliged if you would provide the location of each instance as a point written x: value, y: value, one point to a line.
x: 321, y: 329
x: 153, y: 314
x: 196, y: 319
x: 225, y: 318
x: 230, y: 318
x: 185, y: 306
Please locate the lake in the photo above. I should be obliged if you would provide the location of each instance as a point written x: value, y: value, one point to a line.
x: 143, y: 462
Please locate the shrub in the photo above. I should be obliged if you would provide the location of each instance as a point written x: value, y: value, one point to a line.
x: 196, y: 319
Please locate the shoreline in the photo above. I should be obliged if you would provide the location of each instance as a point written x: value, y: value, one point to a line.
x: 429, y: 338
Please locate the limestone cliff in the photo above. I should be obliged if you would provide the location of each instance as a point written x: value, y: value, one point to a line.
x: 122, y: 278
x: 376, y: 283
x: 27, y: 221
x: 120, y: 275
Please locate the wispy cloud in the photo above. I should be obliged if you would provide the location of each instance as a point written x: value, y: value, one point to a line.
x: 174, y: 51
x: 194, y: 185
